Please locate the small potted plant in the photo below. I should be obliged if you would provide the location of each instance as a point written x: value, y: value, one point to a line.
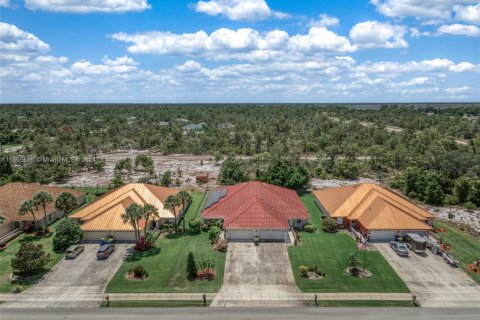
x: 256, y: 240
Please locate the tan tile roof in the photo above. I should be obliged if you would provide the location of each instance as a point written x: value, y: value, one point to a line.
x: 105, y: 213
x: 14, y: 193
x: 375, y: 207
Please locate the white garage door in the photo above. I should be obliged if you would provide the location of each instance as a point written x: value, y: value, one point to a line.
x: 272, y: 234
x: 240, y: 235
x: 379, y: 235
x: 95, y: 236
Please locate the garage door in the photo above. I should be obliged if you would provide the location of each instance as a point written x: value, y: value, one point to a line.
x: 240, y: 235
x: 379, y: 235
x: 272, y: 234
x: 95, y: 236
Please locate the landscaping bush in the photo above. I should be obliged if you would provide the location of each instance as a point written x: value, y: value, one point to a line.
x: 353, y: 263
x: 144, y: 244
x: 67, y: 233
x: 167, y: 226
x: 207, y: 270
x: 221, y: 245
x: 205, y: 227
x: 303, y: 270
x: 139, y: 271
x: 330, y: 225
x: 213, y: 233
x: 195, y: 225
x: 309, y: 228
x: 30, y: 259
x: 191, y: 266
x: 451, y: 200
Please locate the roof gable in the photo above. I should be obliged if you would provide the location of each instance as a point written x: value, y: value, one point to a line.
x: 105, y: 212
x: 250, y: 201
x: 374, y: 207
x: 14, y: 193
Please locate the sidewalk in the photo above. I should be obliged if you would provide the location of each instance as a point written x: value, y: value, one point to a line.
x: 39, y: 300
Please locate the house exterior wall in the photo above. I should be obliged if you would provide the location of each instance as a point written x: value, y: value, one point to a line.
x: 95, y: 236
x: 297, y: 223
x: 6, y: 228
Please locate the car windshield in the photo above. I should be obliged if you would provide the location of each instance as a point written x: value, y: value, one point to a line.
x: 401, y: 246
x: 69, y: 250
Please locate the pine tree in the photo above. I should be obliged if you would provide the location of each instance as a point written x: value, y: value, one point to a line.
x: 191, y: 266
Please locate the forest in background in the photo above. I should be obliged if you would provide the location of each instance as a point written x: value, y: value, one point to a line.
x: 430, y: 152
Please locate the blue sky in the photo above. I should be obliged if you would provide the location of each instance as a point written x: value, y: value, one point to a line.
x: 239, y: 51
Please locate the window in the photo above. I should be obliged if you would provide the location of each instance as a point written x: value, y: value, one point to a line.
x: 299, y: 220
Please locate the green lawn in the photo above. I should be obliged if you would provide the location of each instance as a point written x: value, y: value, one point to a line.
x: 9, y: 252
x: 329, y: 252
x: 166, y: 263
x: 363, y: 303
x: 154, y: 304
x: 465, y: 248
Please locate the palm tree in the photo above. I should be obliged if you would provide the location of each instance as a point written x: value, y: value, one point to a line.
x: 28, y: 206
x: 42, y: 199
x: 66, y: 202
x: 171, y: 203
x: 148, y: 212
x: 132, y: 215
x: 185, y: 198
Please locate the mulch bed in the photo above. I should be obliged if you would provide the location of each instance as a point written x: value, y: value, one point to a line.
x: 361, y: 273
x: 131, y: 276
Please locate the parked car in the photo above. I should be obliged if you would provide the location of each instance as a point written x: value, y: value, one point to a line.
x: 74, y: 251
x: 399, y: 247
x: 105, y: 251
x: 450, y: 259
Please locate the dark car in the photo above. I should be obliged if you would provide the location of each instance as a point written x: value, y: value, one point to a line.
x: 399, y: 247
x: 105, y: 250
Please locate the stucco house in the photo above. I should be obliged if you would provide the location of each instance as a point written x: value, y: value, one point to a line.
x: 256, y: 209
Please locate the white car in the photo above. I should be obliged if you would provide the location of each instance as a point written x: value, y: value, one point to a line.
x: 73, y: 251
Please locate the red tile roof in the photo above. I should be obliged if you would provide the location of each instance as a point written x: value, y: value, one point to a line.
x: 257, y: 205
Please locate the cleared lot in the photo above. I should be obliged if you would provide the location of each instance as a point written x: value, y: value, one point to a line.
x: 73, y: 282
x: 257, y: 276
x: 435, y: 282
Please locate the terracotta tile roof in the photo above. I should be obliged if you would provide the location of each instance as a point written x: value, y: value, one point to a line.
x: 105, y: 212
x: 257, y: 205
x: 14, y: 193
x: 375, y: 207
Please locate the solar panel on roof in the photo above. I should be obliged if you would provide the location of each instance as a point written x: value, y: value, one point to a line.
x: 215, y: 196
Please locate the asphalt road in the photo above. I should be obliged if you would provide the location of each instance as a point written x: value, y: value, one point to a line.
x: 241, y: 313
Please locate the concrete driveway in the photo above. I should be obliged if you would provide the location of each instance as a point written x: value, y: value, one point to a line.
x: 257, y: 276
x: 78, y: 282
x: 436, y: 283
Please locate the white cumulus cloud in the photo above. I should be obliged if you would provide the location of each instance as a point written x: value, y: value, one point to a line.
x: 88, y: 6
x: 374, y: 34
x: 13, y: 39
x: 244, y: 43
x: 325, y: 21
x: 460, y: 30
x: 420, y: 9
x: 469, y: 14
x: 239, y: 10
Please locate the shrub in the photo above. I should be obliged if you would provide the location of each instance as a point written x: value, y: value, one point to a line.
x: 167, y: 226
x: 205, y: 227
x: 451, y: 216
x: 216, y: 223
x: 309, y: 228
x: 213, y: 233
x: 207, y: 270
x: 144, y: 244
x: 470, y: 205
x: 30, y: 259
x: 195, y: 225
x: 191, y: 266
x: 68, y: 232
x: 451, y: 200
x: 330, y: 225
x: 353, y: 262
x: 303, y: 270
x: 139, y: 271
x: 221, y: 245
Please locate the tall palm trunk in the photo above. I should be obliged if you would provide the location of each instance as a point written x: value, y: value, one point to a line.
x: 45, y: 217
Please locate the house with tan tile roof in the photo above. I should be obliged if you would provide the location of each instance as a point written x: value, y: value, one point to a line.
x: 13, y: 194
x: 377, y: 213
x: 103, y: 217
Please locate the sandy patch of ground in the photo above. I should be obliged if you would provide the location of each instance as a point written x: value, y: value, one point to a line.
x: 469, y: 217
x: 182, y: 167
x: 333, y: 183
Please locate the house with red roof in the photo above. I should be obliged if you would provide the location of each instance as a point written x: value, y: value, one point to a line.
x: 256, y: 209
